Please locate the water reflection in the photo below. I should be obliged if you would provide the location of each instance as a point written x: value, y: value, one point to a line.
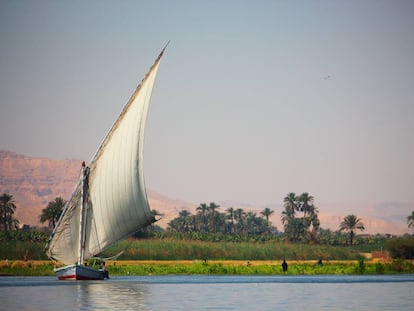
x: 49, y: 295
x: 110, y: 296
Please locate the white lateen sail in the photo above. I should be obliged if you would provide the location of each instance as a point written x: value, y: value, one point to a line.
x: 109, y: 202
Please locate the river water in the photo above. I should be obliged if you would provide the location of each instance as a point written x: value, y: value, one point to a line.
x: 208, y: 292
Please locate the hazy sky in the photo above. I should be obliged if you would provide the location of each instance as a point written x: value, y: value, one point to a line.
x: 254, y: 99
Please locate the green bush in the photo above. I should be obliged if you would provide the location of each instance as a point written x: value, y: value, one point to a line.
x: 401, y: 248
x: 400, y: 266
x: 360, y: 268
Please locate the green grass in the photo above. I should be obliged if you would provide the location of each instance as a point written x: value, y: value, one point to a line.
x: 28, y: 268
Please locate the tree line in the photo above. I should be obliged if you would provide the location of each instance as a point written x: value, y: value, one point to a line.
x: 233, y: 221
x: 299, y: 218
x: 8, y: 222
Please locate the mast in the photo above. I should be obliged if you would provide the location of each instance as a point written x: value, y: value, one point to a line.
x: 83, y: 210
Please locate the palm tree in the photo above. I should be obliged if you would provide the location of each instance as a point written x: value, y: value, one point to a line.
x: 52, y: 212
x: 290, y: 204
x: 239, y: 215
x: 251, y: 223
x: 184, y: 220
x: 203, y: 210
x: 288, y: 215
x: 230, y: 216
x: 7, y: 209
x: 266, y: 213
x: 213, y: 215
x: 305, y: 204
x: 410, y: 220
x: 351, y: 223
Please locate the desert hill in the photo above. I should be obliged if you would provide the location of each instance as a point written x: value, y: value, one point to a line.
x: 34, y: 182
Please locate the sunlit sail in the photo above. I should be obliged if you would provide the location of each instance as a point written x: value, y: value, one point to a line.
x: 109, y: 202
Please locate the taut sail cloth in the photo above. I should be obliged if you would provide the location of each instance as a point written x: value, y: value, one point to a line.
x: 116, y: 203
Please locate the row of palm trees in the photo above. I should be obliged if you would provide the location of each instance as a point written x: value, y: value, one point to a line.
x: 9, y: 222
x: 300, y: 218
x: 233, y: 221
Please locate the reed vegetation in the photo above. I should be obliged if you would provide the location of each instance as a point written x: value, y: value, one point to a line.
x: 171, y: 249
x: 187, y: 249
x: 225, y: 267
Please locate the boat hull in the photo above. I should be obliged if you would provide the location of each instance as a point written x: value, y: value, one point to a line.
x: 79, y: 272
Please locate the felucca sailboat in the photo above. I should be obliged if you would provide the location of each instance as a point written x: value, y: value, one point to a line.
x: 109, y: 202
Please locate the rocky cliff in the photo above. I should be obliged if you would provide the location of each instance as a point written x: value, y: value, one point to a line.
x: 34, y: 182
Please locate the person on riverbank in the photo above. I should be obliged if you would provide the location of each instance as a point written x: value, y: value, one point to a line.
x: 284, y: 265
x: 320, y: 264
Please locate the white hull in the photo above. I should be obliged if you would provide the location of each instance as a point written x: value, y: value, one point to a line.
x: 78, y: 272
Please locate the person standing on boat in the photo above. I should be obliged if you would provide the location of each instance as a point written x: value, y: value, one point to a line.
x: 103, y: 269
x: 284, y: 265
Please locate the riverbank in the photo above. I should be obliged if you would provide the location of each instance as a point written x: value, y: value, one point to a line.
x: 231, y: 267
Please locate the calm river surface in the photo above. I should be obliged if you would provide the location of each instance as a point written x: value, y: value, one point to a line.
x: 196, y: 292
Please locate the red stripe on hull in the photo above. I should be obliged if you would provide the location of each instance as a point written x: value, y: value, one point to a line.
x: 74, y: 277
x: 67, y: 277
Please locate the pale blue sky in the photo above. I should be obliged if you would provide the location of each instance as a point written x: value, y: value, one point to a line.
x: 254, y: 99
